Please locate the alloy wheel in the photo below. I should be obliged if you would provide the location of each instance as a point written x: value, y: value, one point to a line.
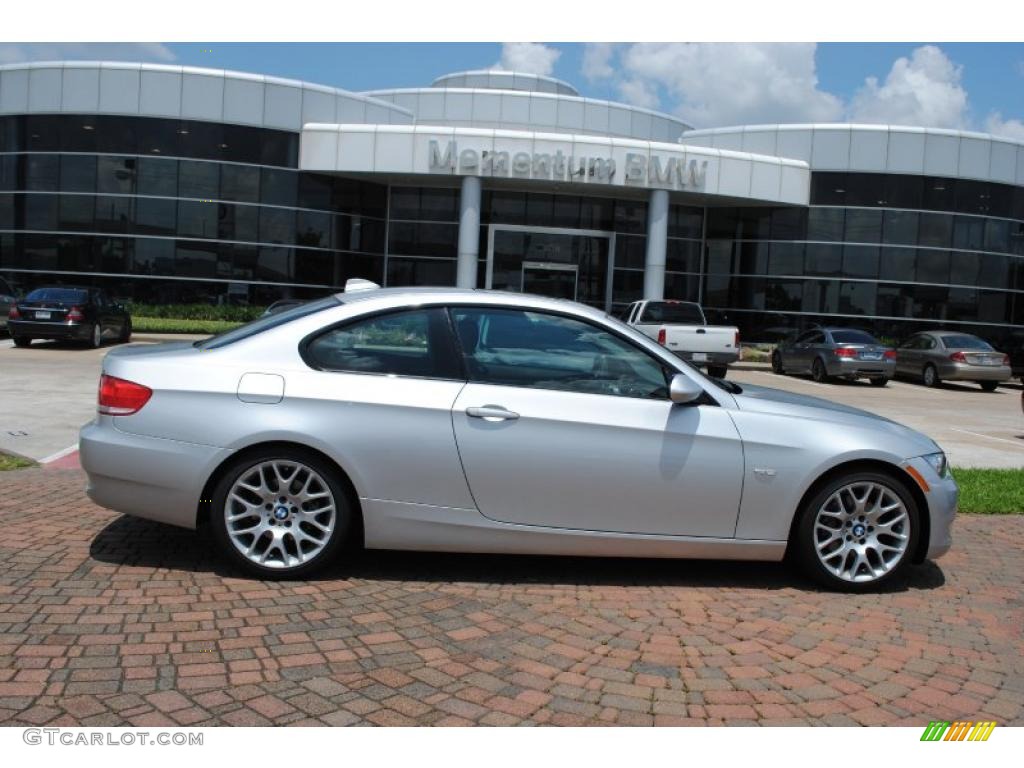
x: 929, y: 376
x: 861, y: 532
x: 97, y: 336
x: 280, y: 514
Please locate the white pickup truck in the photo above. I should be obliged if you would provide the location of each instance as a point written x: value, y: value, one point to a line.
x: 680, y: 327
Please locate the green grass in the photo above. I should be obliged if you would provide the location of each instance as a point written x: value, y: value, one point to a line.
x: 8, y: 462
x: 991, y: 491
x: 179, y: 325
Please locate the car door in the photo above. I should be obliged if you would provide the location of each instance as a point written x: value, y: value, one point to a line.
x: 565, y: 424
x: 908, y: 356
x: 797, y: 356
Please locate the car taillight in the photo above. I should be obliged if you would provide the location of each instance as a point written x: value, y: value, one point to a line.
x: 14, y: 314
x: 1006, y: 360
x: 75, y: 315
x: 958, y: 357
x: 845, y: 352
x: 890, y: 354
x: 736, y: 340
x: 661, y: 336
x: 118, y: 397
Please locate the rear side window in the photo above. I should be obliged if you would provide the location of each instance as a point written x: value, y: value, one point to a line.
x: 963, y: 341
x: 59, y: 295
x: 266, y: 323
x: 411, y: 343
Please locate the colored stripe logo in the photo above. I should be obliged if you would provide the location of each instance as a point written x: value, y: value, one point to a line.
x: 961, y: 730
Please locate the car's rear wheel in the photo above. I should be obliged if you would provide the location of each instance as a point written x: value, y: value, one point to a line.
x: 930, y: 376
x: 96, y: 336
x: 879, y: 382
x: 281, y: 513
x: 21, y: 341
x: 858, y: 531
x: 818, y: 372
x: 988, y: 386
x: 777, y: 363
x: 717, y: 371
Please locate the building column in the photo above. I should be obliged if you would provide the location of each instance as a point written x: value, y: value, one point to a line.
x: 469, y: 232
x: 657, y: 242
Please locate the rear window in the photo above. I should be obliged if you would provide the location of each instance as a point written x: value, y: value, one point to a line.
x: 265, y: 323
x: 59, y: 295
x: 853, y: 337
x: 963, y: 341
x: 683, y: 313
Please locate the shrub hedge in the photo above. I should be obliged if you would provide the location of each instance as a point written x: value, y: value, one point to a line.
x: 233, y: 314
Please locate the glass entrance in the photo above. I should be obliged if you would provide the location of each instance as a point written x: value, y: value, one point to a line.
x: 565, y: 263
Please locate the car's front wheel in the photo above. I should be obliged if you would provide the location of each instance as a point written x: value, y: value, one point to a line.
x: 126, y: 332
x: 280, y: 513
x: 818, y: 372
x: 777, y: 363
x: 858, y: 531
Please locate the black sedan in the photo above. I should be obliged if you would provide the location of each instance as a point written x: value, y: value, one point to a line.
x: 68, y: 314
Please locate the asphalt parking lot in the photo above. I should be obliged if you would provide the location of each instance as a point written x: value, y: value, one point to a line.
x: 108, y: 620
x: 50, y: 391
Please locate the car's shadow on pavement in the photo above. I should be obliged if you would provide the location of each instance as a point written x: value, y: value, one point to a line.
x: 129, y: 541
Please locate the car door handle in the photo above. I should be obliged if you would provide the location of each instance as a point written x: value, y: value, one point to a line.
x: 701, y: 330
x: 492, y: 413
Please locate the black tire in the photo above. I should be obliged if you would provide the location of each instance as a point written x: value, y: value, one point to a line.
x: 718, y: 371
x: 803, y: 545
x: 988, y: 386
x: 21, y: 341
x: 777, y: 363
x: 878, y: 382
x: 95, y: 336
x: 344, y: 506
x: 930, y: 376
x: 126, y: 332
x: 818, y: 372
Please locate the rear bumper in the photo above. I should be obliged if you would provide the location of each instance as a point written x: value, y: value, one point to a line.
x: 147, y: 477
x: 966, y: 372
x: 860, y: 369
x: 35, y: 329
x: 712, y: 358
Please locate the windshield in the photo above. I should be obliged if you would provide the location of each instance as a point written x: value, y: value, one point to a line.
x: 963, y: 341
x: 683, y: 313
x: 59, y: 295
x: 265, y: 323
x: 853, y: 337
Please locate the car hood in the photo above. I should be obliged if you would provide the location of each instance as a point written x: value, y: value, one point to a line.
x: 775, y: 401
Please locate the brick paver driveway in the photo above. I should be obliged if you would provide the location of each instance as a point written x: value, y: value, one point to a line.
x: 105, y: 620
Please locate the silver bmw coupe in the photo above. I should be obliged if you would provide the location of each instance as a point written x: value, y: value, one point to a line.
x: 477, y: 421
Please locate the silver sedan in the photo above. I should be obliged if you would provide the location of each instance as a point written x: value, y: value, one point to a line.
x: 937, y: 356
x: 478, y: 421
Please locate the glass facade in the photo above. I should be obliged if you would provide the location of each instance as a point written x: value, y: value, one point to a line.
x: 159, y: 210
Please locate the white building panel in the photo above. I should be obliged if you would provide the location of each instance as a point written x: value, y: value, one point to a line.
x: 120, y: 86
x: 906, y: 151
x: 44, y: 88
x: 80, y: 89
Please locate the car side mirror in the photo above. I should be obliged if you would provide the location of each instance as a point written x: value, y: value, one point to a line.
x: 683, y: 389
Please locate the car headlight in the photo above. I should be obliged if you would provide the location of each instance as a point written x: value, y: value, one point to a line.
x: 938, y: 463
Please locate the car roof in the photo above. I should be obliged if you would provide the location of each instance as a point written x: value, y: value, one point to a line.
x: 480, y: 296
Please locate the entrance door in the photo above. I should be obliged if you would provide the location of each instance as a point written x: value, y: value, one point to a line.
x: 555, y: 280
x: 567, y: 263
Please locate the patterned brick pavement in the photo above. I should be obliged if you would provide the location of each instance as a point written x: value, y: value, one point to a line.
x: 105, y: 620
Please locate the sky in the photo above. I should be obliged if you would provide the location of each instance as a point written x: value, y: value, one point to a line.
x: 973, y: 86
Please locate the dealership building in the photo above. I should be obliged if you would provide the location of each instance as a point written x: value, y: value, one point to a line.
x: 168, y: 184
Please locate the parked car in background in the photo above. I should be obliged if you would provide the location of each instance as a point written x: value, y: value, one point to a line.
x: 68, y: 313
x: 479, y: 421
x: 1017, y: 356
x: 937, y: 356
x: 281, y: 305
x: 7, y: 300
x: 680, y: 327
x: 846, y: 353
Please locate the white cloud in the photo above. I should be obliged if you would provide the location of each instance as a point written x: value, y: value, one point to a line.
x: 11, y: 53
x: 535, y: 58
x: 597, y: 61
x: 717, y: 84
x: 922, y: 90
x: 1010, y: 129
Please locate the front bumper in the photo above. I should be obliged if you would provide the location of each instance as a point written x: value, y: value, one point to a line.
x: 966, y: 372
x: 38, y: 329
x: 942, y: 497
x: 852, y: 368
x: 147, y: 477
